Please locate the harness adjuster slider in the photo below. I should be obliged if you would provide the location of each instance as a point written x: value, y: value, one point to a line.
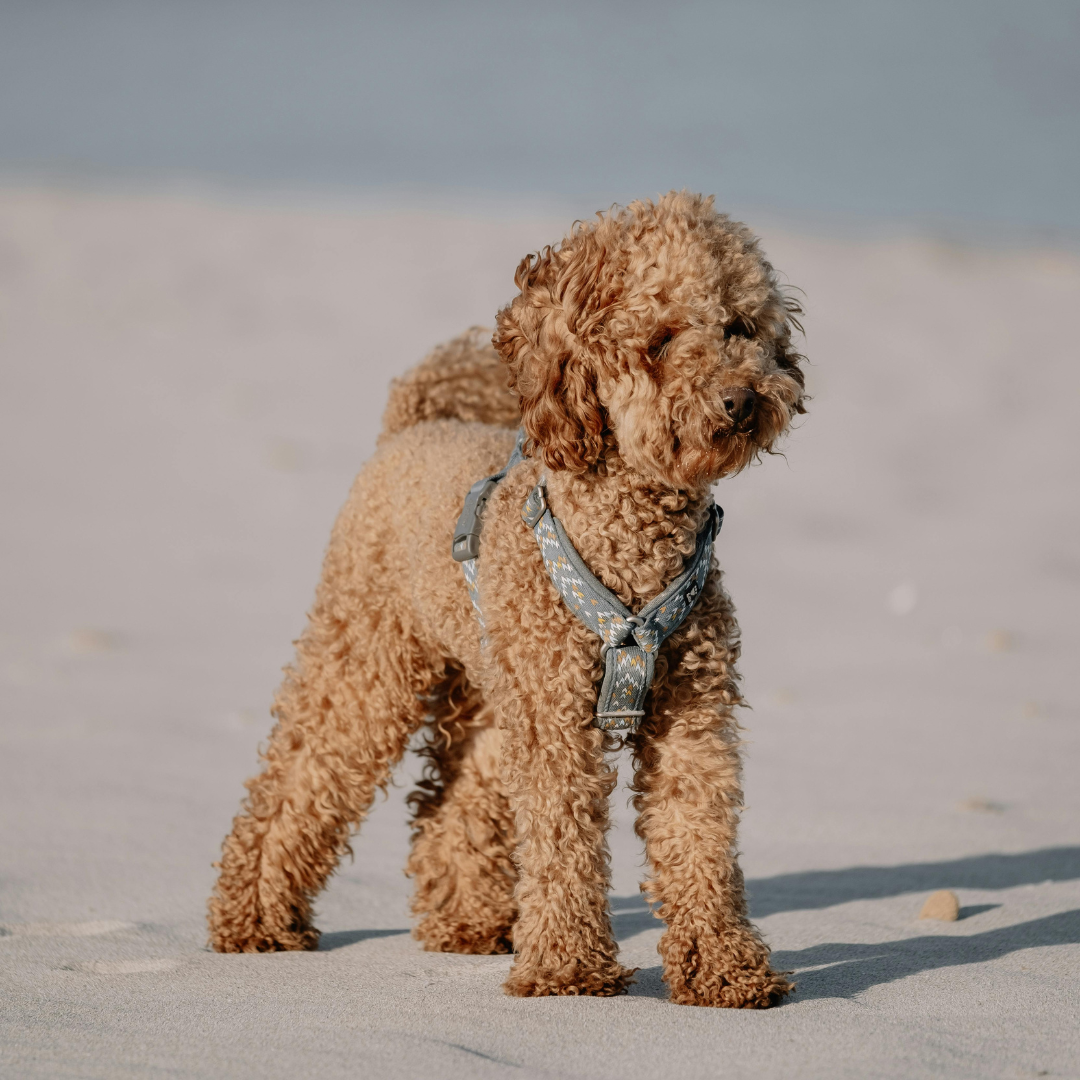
x: 467, y: 534
x: 535, y: 506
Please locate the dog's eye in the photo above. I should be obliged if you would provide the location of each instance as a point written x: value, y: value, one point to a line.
x: 659, y: 345
x: 738, y: 327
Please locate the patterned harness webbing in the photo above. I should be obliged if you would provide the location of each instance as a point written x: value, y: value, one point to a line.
x: 630, y: 642
x: 466, y: 545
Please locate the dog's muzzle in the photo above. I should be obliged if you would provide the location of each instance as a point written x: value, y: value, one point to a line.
x: 739, y: 404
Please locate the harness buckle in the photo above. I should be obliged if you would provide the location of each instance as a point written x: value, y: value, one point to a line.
x: 467, y: 533
x: 717, y: 520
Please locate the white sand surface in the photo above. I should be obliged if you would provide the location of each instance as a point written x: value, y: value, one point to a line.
x: 188, y: 386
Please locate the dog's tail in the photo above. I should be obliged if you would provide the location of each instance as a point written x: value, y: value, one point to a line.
x: 464, y: 379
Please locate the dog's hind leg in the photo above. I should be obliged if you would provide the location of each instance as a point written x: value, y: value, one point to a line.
x: 463, y: 832
x: 345, y: 713
x: 689, y: 796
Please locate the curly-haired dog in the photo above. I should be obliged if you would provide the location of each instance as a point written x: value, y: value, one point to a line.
x: 648, y: 355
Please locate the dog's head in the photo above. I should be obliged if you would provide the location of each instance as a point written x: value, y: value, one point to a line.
x: 658, y: 329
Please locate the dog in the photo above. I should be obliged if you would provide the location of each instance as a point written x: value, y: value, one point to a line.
x: 645, y: 357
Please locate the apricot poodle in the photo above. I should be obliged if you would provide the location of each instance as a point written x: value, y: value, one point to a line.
x: 645, y: 357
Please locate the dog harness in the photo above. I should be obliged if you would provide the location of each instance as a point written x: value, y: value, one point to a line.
x: 630, y: 642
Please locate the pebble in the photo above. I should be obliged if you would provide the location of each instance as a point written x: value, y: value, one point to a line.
x: 89, y: 640
x: 979, y: 805
x: 942, y: 905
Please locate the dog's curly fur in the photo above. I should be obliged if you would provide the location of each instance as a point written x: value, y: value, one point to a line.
x: 649, y: 354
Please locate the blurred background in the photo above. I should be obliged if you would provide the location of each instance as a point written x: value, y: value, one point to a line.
x: 959, y: 115
x: 224, y: 227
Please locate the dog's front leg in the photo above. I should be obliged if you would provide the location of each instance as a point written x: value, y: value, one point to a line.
x: 558, y: 783
x: 689, y: 796
x: 689, y: 800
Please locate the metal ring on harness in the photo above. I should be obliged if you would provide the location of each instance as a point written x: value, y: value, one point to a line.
x: 605, y: 647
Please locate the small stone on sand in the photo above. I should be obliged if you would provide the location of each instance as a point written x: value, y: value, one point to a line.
x: 942, y: 905
x: 978, y: 805
x: 89, y: 640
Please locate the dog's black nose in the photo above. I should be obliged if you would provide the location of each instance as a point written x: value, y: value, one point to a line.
x: 739, y: 403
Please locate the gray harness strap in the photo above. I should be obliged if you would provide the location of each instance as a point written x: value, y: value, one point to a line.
x: 630, y: 642
x: 466, y: 545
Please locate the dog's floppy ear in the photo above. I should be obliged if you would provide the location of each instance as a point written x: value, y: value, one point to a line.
x: 539, y: 336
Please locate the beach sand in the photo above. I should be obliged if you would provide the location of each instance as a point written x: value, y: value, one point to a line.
x: 189, y: 384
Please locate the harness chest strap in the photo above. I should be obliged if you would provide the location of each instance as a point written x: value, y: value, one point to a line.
x: 630, y: 642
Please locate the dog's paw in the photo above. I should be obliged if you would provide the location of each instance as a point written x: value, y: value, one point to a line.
x: 732, y: 990
x: 439, y: 935
x: 242, y: 928
x: 574, y: 980
x: 728, y: 970
x: 261, y: 939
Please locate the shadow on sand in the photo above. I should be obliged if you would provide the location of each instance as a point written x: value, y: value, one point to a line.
x: 340, y: 938
x: 813, y: 889
x: 839, y: 970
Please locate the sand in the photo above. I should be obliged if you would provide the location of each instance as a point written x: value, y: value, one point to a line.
x: 189, y: 384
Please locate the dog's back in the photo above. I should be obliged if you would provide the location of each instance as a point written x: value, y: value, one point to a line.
x: 463, y: 379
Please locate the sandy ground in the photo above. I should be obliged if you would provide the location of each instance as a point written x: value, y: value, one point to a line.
x: 188, y: 387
